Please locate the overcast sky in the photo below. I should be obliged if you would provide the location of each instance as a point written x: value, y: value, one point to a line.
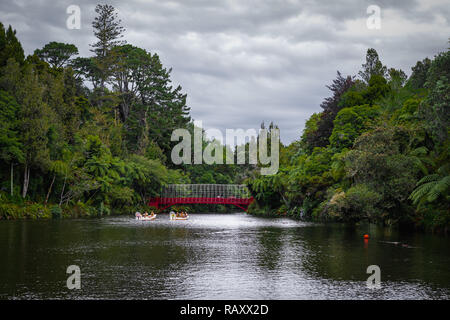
x: 243, y: 62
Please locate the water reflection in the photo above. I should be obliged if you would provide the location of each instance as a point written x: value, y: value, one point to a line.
x: 218, y: 256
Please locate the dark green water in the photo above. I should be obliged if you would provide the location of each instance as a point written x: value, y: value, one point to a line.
x: 217, y: 256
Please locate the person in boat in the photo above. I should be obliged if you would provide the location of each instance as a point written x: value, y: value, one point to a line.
x: 152, y: 214
x: 145, y: 214
x: 138, y: 215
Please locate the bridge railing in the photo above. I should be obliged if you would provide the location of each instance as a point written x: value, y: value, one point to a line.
x: 205, y: 191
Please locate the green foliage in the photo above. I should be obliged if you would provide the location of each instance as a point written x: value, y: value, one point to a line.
x: 10, y: 47
x: 353, y: 97
x: 357, y: 203
x: 90, y: 150
x: 373, y: 66
x: 380, y: 159
x: 378, y: 88
x: 387, y: 157
x: 434, y: 187
x: 10, y: 144
x: 378, y: 151
x: 27, y: 211
x: 350, y: 123
x: 319, y: 127
x: 57, y: 54
x: 435, y: 109
x: 419, y: 74
x: 56, y: 212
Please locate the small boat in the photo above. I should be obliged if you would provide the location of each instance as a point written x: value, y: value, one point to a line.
x: 173, y: 216
x: 145, y: 218
x: 149, y: 218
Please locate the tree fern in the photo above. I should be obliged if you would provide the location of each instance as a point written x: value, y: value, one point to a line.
x: 431, y: 187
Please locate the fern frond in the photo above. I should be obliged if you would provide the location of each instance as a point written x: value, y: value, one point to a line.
x: 421, y: 191
x: 429, y: 178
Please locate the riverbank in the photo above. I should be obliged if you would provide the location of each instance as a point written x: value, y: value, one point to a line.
x: 424, y: 221
x: 31, y: 210
x: 34, y: 211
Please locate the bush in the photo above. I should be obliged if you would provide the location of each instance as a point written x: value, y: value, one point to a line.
x: 362, y: 203
x: 255, y: 209
x: 357, y: 203
x: 32, y: 211
x: 103, y: 210
x: 37, y: 211
x: 9, y: 211
x: 56, y: 212
x: 78, y: 210
x: 434, y: 220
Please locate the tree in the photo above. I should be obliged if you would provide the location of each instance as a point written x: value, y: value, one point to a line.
x: 436, y: 106
x: 310, y: 131
x: 339, y: 86
x: 350, y: 123
x: 331, y: 107
x: 377, y: 89
x: 33, y: 124
x: 127, y: 69
x: 159, y: 108
x: 381, y: 160
x: 397, y: 76
x: 57, y: 54
x: 373, y: 66
x: 11, y: 77
x: 86, y: 69
x: 419, y: 74
x: 10, y: 46
x: 107, y: 29
x: 10, y: 145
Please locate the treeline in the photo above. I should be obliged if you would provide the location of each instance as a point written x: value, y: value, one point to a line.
x: 89, y: 135
x: 379, y: 151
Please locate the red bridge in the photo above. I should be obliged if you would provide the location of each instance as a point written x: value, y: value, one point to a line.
x: 173, y: 194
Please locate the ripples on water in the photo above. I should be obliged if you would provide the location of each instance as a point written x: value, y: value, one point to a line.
x: 217, y: 256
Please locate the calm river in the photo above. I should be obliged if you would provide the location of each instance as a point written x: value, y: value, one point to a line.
x: 217, y: 256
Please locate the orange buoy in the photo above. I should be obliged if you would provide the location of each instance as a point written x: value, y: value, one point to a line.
x: 366, y: 236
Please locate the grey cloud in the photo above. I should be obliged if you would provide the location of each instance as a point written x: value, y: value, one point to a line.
x: 242, y: 62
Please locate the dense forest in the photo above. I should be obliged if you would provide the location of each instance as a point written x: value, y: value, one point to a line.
x: 378, y: 152
x: 91, y: 136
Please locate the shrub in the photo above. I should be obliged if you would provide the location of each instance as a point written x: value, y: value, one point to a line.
x: 358, y: 202
x: 15, y: 211
x: 56, y: 212
x: 361, y: 202
x: 9, y: 211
